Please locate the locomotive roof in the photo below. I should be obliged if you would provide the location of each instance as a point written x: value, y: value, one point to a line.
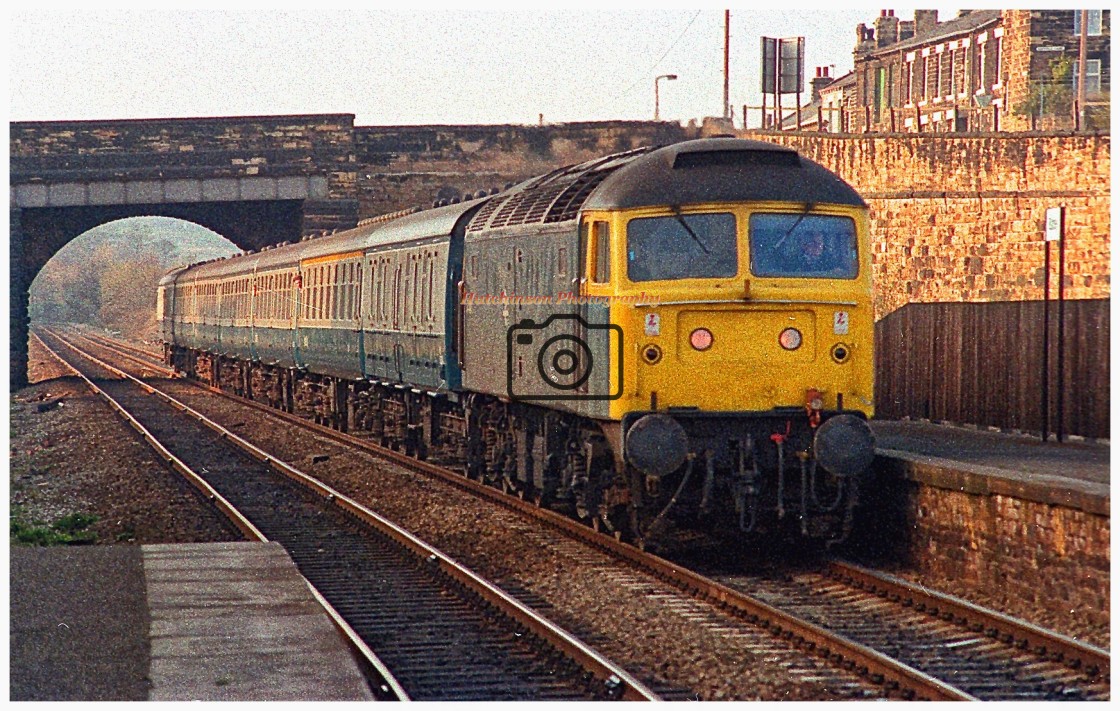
x: 720, y: 170
x: 703, y: 170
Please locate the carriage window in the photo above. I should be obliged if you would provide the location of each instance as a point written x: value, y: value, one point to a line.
x: 428, y: 264
x: 416, y: 290
x: 682, y: 247
x: 804, y: 246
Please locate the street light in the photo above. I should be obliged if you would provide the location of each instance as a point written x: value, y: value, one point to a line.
x: 657, y: 94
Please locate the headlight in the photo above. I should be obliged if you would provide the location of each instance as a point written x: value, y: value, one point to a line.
x: 790, y: 339
x: 701, y: 339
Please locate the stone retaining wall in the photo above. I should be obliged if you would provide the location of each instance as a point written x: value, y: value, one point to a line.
x: 1041, y: 547
x: 960, y: 217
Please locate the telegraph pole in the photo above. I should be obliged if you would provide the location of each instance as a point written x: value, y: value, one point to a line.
x: 727, y: 64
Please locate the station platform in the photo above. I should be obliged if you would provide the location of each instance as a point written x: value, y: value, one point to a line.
x: 206, y: 622
x: 1073, y: 474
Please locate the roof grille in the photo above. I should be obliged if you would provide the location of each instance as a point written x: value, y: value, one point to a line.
x: 555, y: 197
x: 567, y: 205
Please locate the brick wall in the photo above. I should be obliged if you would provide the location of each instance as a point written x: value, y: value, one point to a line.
x: 1026, y: 555
x: 1027, y: 31
x: 1018, y: 60
x: 959, y: 218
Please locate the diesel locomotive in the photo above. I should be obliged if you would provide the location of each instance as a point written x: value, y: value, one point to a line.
x: 673, y: 335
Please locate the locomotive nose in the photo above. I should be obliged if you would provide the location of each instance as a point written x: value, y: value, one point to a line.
x: 844, y: 445
x: 656, y: 445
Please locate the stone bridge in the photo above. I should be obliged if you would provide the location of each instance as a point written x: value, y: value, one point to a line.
x: 263, y: 180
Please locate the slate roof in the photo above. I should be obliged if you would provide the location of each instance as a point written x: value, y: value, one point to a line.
x: 949, y: 29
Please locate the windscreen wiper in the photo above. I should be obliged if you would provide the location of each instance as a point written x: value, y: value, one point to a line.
x: 680, y: 218
x: 806, y: 211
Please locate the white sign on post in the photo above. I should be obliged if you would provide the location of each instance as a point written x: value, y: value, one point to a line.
x: 1053, y: 224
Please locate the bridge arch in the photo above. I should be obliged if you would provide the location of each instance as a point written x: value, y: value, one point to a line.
x: 257, y: 181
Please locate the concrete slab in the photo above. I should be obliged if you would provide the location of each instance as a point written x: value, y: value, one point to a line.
x: 236, y: 622
x: 212, y: 621
x: 79, y: 624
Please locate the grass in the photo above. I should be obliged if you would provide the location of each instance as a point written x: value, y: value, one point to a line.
x: 70, y: 530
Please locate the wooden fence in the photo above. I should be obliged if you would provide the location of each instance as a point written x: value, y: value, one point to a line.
x: 981, y: 363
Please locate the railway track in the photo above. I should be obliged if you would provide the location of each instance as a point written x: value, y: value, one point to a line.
x: 445, y: 632
x: 987, y: 655
x: 915, y: 647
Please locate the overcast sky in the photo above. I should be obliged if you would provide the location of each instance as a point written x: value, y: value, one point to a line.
x: 433, y: 65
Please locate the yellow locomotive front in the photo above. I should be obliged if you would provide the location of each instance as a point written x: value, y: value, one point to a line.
x: 731, y: 307
x: 747, y: 364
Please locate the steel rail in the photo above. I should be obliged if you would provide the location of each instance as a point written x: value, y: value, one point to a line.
x: 618, y: 681
x: 141, y: 358
x: 869, y: 663
x: 1092, y: 661
x: 388, y: 687
x: 119, y: 344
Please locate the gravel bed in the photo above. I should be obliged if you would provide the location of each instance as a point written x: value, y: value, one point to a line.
x: 635, y: 620
x: 78, y: 457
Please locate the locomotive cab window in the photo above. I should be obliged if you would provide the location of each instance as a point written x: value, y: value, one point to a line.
x: 596, y: 239
x: 680, y: 246
x: 803, y: 246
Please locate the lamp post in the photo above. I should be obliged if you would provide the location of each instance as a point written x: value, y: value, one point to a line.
x: 657, y: 94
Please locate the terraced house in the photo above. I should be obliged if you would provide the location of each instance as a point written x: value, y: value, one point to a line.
x: 983, y: 70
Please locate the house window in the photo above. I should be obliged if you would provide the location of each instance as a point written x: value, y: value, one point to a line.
x: 910, y: 82
x: 1092, y: 76
x: 999, y: 60
x: 983, y: 61
x: 1093, y: 26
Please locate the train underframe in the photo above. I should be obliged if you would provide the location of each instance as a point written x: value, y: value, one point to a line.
x: 742, y: 475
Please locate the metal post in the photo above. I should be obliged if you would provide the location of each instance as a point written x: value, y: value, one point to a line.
x: 726, y: 64
x: 1062, y: 327
x: 1046, y: 345
x: 657, y: 94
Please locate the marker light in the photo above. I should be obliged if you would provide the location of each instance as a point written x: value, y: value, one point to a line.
x: 813, y: 399
x: 790, y: 339
x: 701, y: 339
